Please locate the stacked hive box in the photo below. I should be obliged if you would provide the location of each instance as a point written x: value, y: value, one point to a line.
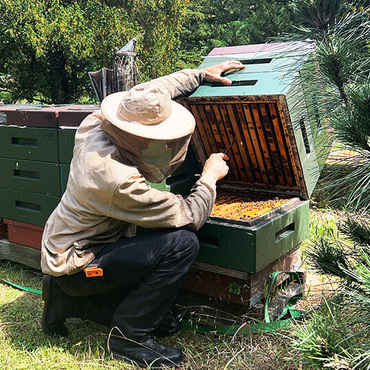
x: 36, y: 144
x: 261, y: 212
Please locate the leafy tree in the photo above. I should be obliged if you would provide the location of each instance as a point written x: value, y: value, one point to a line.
x: 337, y: 335
x: 211, y: 24
x: 161, y: 24
x: 48, y: 46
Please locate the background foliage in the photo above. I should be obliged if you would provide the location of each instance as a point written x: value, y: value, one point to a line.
x: 337, y: 335
x: 342, y: 35
x: 211, y: 24
x: 47, y: 47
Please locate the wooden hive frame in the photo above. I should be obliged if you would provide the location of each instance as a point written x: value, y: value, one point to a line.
x: 265, y: 154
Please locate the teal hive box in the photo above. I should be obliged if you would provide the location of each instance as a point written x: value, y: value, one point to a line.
x: 39, y: 144
x: 265, y: 114
x: 32, y: 176
x: 280, y: 140
x: 26, y: 207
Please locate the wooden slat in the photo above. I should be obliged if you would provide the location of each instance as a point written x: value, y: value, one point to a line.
x: 212, y: 122
x: 220, y: 120
x: 201, y: 133
x: 220, y: 123
x: 198, y: 148
x: 273, y: 148
x: 230, y: 134
x: 247, y: 149
x: 207, y: 130
x: 263, y: 144
x: 286, y: 162
x: 255, y: 142
x: 242, y: 163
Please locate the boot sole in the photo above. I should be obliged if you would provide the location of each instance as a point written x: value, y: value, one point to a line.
x: 119, y: 356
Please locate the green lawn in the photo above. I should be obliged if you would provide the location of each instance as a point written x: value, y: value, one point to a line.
x: 23, y: 344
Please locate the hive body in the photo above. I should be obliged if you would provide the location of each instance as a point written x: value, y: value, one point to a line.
x: 261, y: 212
x: 36, y: 147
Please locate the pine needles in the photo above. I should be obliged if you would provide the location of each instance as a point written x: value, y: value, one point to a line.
x: 342, y: 69
x: 337, y: 334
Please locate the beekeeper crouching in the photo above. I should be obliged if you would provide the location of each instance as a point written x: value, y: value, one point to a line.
x: 95, y: 267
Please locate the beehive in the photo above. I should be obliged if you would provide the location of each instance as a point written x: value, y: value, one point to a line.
x: 36, y: 145
x: 261, y: 210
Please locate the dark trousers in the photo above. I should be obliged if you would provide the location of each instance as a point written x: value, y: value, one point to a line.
x: 141, y: 277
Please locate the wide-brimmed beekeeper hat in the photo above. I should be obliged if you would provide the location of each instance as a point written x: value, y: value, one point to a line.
x: 147, y: 110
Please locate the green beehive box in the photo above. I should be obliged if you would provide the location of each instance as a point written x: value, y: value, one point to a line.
x: 26, y: 207
x: 272, y: 72
x: 264, y: 104
x: 64, y: 173
x: 66, y: 144
x: 38, y: 144
x: 250, y: 246
x: 30, y: 176
x: 264, y: 114
x: 282, y: 58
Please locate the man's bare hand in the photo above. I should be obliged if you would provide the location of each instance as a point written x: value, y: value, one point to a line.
x: 215, y: 167
x: 213, y: 73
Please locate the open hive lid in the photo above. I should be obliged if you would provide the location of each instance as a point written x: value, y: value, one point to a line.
x: 269, y: 68
x: 270, y: 152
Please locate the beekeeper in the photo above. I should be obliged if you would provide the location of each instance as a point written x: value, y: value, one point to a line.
x: 95, y: 267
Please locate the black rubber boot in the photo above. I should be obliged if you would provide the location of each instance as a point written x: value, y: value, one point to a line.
x: 169, y: 325
x: 53, y: 316
x: 145, y: 353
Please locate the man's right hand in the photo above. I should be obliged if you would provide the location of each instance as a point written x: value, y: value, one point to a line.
x: 213, y: 73
x: 215, y: 167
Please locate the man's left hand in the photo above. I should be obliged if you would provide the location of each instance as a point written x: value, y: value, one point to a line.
x: 213, y: 73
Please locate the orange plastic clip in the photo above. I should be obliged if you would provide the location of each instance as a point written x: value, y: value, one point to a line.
x: 93, y: 271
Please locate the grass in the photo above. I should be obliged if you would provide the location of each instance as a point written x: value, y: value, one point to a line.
x: 23, y: 344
